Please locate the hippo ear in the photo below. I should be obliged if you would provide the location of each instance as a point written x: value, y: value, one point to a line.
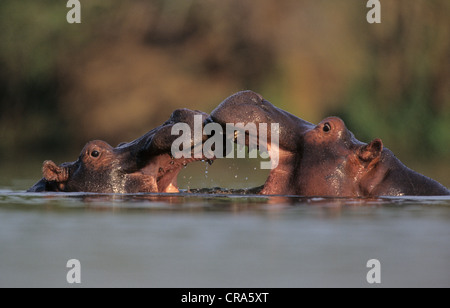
x: 53, y: 172
x: 371, y: 151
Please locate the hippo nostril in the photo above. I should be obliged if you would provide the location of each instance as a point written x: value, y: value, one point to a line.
x: 326, y: 127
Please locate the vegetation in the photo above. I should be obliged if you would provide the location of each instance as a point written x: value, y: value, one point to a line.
x: 130, y: 63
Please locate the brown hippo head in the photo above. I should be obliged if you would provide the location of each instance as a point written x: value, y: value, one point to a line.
x: 143, y: 165
x: 324, y: 159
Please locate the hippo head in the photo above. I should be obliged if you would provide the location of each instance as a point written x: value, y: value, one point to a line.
x: 143, y: 165
x: 324, y: 159
x: 335, y: 163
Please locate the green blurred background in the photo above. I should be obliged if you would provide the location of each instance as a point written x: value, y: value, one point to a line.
x: 129, y: 64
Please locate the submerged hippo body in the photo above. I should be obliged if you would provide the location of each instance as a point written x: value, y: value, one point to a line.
x: 324, y: 159
x: 143, y: 165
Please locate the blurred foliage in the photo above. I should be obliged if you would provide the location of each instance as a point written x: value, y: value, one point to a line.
x: 404, y: 96
x: 129, y: 64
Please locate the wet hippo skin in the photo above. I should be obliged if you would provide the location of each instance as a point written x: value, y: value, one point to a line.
x: 324, y: 159
x: 142, y: 165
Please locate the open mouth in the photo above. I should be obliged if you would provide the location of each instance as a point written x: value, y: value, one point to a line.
x: 273, y: 130
x: 267, y: 154
x: 165, y: 170
x: 163, y: 154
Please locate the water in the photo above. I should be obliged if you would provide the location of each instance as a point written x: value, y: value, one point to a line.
x: 222, y: 240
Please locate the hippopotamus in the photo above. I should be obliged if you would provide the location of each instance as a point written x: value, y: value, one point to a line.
x: 324, y: 159
x: 142, y: 165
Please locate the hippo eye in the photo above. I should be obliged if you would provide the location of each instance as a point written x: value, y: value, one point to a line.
x: 95, y: 154
x: 326, y: 127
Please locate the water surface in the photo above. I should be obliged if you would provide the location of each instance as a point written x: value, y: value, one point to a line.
x: 222, y: 240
